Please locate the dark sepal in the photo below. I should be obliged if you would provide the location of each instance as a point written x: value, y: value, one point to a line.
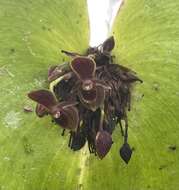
x: 130, y: 77
x: 125, y: 152
x: 126, y: 74
x: 43, y: 97
x: 83, y: 67
x: 40, y: 110
x: 103, y: 143
x: 108, y: 45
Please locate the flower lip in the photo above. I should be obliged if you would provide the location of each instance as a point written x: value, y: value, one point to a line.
x: 88, y: 95
x: 87, y: 85
x: 92, y: 99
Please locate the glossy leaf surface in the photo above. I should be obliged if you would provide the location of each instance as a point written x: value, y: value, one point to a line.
x: 146, y: 37
x: 33, y: 155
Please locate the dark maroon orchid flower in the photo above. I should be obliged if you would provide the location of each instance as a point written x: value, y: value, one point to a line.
x: 91, y: 91
x: 64, y: 113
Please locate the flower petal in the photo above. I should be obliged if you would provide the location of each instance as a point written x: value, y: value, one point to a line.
x: 103, y: 143
x: 83, y: 67
x: 43, y: 97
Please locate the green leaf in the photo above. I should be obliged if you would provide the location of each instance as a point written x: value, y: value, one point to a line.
x: 146, y: 33
x: 147, y: 40
x: 33, y: 155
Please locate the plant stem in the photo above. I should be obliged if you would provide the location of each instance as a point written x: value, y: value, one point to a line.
x: 101, y: 120
x: 126, y: 131
x: 56, y: 81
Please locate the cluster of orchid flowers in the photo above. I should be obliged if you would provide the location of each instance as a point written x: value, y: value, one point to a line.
x: 89, y: 97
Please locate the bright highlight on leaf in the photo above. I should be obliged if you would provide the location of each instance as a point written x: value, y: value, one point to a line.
x: 101, y: 18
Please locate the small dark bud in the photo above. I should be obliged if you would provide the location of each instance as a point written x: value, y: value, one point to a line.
x: 126, y: 152
x: 109, y: 44
x: 103, y: 143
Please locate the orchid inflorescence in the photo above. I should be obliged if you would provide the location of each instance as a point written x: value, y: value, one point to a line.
x: 89, y: 97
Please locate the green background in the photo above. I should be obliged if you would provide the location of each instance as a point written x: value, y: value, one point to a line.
x: 33, y: 155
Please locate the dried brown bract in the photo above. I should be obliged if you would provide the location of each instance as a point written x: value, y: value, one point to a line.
x: 89, y: 96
